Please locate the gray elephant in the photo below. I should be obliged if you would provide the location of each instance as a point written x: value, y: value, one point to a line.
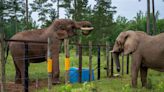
x: 57, y: 31
x: 147, y: 52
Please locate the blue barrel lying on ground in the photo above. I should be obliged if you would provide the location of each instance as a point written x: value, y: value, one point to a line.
x: 74, y: 75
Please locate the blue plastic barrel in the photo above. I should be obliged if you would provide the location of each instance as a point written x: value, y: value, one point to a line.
x: 74, y: 74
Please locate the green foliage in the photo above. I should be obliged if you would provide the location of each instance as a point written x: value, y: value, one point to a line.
x: 102, y: 19
x: 85, y: 87
x: 126, y: 88
x: 13, y: 17
x: 160, y: 25
x: 121, y: 84
x: 100, y: 15
x: 45, y: 10
x: 160, y: 87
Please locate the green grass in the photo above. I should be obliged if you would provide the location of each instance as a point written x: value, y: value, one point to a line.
x: 121, y: 84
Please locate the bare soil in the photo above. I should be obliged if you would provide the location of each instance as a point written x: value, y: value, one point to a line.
x: 33, y: 85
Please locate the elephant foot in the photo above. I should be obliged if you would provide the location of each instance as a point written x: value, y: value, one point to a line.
x: 56, y: 81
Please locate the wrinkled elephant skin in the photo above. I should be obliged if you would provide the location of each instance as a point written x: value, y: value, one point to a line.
x: 147, y: 52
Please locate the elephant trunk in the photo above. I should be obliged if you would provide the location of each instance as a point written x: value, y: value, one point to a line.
x: 116, y: 58
x: 85, y: 26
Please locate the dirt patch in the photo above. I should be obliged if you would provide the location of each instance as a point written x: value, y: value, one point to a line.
x: 33, y: 85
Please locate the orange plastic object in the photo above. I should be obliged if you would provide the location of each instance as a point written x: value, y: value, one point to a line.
x: 67, y: 63
x: 49, y: 65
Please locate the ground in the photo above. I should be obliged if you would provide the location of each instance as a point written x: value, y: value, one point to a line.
x: 38, y: 79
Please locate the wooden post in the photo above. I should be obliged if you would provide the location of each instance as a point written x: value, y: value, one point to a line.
x: 90, y: 61
x: 49, y: 65
x: 107, y: 58
x: 80, y: 63
x: 111, y: 64
x: 127, y: 67
x: 67, y: 60
x: 2, y: 59
x: 122, y: 64
x: 98, y: 63
x: 26, y: 64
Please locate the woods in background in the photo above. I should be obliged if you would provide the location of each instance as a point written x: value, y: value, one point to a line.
x: 101, y: 15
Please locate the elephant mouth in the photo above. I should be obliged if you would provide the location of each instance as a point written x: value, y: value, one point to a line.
x: 86, y: 30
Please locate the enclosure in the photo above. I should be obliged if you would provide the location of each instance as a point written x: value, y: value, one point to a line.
x: 108, y: 17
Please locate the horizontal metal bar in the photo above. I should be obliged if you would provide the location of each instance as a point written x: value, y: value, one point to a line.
x: 24, y: 41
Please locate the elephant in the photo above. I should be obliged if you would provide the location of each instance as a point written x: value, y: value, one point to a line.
x: 59, y: 29
x: 146, y: 51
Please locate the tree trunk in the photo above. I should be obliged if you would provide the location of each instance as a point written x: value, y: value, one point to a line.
x: 75, y: 14
x: 154, y: 18
x: 148, y: 16
x: 26, y: 14
x: 58, y: 9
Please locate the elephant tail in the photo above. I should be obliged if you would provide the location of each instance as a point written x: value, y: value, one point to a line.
x: 7, y: 52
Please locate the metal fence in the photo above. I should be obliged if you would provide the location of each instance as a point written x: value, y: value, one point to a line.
x: 9, y: 85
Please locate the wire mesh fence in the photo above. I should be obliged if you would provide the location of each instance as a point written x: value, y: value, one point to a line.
x: 38, y: 72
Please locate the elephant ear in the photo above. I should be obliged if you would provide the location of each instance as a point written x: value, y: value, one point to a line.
x: 128, y: 41
x: 61, y: 34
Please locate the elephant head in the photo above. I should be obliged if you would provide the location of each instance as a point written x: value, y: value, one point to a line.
x: 65, y: 28
x: 125, y: 43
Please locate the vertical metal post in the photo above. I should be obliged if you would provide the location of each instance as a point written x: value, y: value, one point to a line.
x: 111, y: 64
x: 107, y: 58
x: 80, y: 63
x: 98, y: 63
x: 2, y: 59
x: 67, y: 60
x: 90, y: 61
x: 122, y: 64
x: 49, y: 65
x: 127, y: 67
x: 26, y: 64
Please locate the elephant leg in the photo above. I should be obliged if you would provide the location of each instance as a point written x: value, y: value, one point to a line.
x: 136, y: 61
x: 55, y: 65
x: 17, y: 74
x: 143, y: 74
x: 56, y: 73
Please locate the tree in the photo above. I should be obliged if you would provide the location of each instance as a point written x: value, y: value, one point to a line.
x: 154, y: 18
x: 45, y: 10
x: 77, y: 10
x: 1, y: 15
x: 14, y: 10
x: 102, y: 19
x: 148, y: 16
